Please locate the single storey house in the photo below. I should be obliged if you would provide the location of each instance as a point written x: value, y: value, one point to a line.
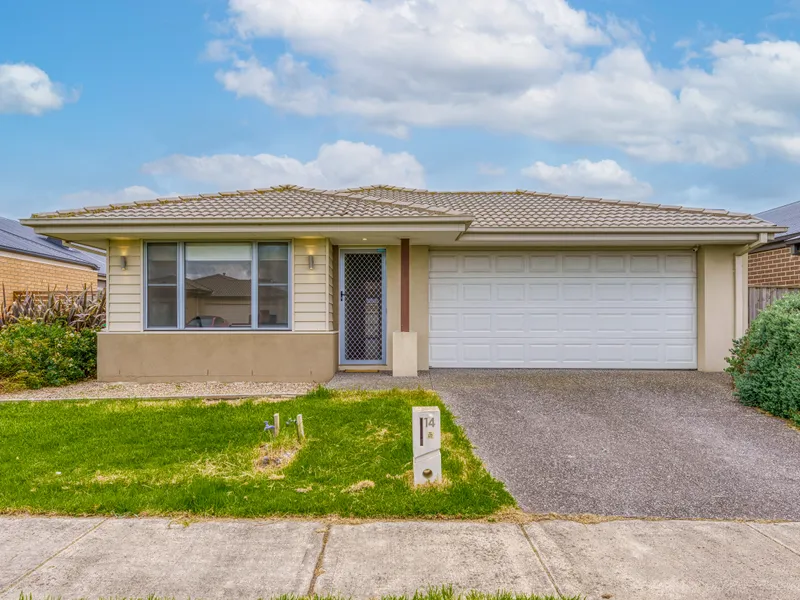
x: 292, y: 284
x: 30, y: 262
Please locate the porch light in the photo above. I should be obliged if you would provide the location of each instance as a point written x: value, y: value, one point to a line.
x: 124, y: 263
x: 310, y: 262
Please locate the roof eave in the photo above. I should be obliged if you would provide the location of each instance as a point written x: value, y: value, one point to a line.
x: 654, y: 230
x: 227, y: 222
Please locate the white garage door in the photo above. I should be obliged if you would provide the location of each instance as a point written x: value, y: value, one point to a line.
x: 563, y: 309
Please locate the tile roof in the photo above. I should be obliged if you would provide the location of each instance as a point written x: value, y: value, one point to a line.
x: 484, y: 210
x: 282, y: 202
x: 220, y: 285
x: 785, y: 216
x: 523, y: 209
x: 16, y: 237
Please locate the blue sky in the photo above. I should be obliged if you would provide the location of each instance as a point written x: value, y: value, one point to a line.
x: 693, y: 103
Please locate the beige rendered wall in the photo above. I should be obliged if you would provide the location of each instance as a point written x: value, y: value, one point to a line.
x: 418, y: 317
x: 23, y: 273
x: 419, y: 302
x: 716, y: 305
x: 124, y: 288
x: 217, y: 356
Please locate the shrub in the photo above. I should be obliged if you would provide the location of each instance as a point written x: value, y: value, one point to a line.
x: 83, y: 310
x: 35, y: 354
x: 765, y: 363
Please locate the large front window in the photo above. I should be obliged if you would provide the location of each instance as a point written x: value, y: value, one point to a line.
x: 195, y: 285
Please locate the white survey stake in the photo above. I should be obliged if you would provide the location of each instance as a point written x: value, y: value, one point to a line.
x: 427, y: 431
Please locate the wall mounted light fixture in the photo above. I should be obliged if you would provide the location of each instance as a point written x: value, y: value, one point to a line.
x: 124, y: 263
x: 310, y: 262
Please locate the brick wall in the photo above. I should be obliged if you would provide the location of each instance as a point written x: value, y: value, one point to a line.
x: 21, y: 274
x: 773, y: 268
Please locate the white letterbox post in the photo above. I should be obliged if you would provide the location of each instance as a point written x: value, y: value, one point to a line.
x: 427, y: 432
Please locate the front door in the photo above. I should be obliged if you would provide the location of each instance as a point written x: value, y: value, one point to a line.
x: 362, y: 314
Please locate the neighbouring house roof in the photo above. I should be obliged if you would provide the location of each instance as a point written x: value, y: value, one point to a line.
x: 16, y: 237
x: 786, y: 216
x: 483, y: 211
x: 220, y: 285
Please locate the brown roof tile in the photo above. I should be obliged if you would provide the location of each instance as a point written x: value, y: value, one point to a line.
x: 284, y: 202
x: 519, y: 209
x: 524, y: 209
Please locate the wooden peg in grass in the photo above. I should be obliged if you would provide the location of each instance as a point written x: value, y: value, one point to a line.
x: 301, y: 434
x: 277, y: 418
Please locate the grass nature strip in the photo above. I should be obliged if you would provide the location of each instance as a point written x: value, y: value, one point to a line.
x: 193, y: 457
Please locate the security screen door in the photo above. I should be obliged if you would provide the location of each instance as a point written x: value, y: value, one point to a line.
x: 363, y: 307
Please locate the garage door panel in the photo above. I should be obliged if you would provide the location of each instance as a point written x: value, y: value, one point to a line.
x: 514, y: 263
x: 680, y: 264
x: 443, y: 292
x: 605, y: 310
x: 564, y: 264
x: 560, y: 353
x: 633, y: 324
x: 545, y: 263
x: 508, y: 292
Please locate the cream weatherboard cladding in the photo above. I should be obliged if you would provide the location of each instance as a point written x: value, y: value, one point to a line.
x: 312, y: 288
x: 563, y: 309
x: 124, y: 287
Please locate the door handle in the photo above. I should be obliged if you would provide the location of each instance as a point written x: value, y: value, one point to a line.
x: 341, y: 296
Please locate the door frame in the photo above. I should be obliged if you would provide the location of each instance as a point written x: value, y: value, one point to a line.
x: 342, y: 312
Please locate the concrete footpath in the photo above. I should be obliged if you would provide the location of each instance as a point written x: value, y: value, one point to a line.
x: 623, y: 560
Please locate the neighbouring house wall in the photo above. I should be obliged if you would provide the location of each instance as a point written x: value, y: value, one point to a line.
x: 312, y: 287
x: 774, y: 268
x: 217, y: 356
x: 716, y: 305
x: 124, y: 288
x: 21, y: 273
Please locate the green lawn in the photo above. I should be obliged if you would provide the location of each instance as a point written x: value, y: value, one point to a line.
x: 198, y: 457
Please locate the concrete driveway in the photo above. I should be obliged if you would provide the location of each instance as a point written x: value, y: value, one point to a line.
x: 631, y: 443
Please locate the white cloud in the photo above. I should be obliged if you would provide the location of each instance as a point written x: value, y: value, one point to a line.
x: 604, y: 178
x: 101, y: 198
x: 785, y: 146
x: 514, y: 65
x: 337, y: 165
x: 26, y: 89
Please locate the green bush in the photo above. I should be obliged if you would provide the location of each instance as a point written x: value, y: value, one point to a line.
x: 35, y: 354
x: 765, y: 363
